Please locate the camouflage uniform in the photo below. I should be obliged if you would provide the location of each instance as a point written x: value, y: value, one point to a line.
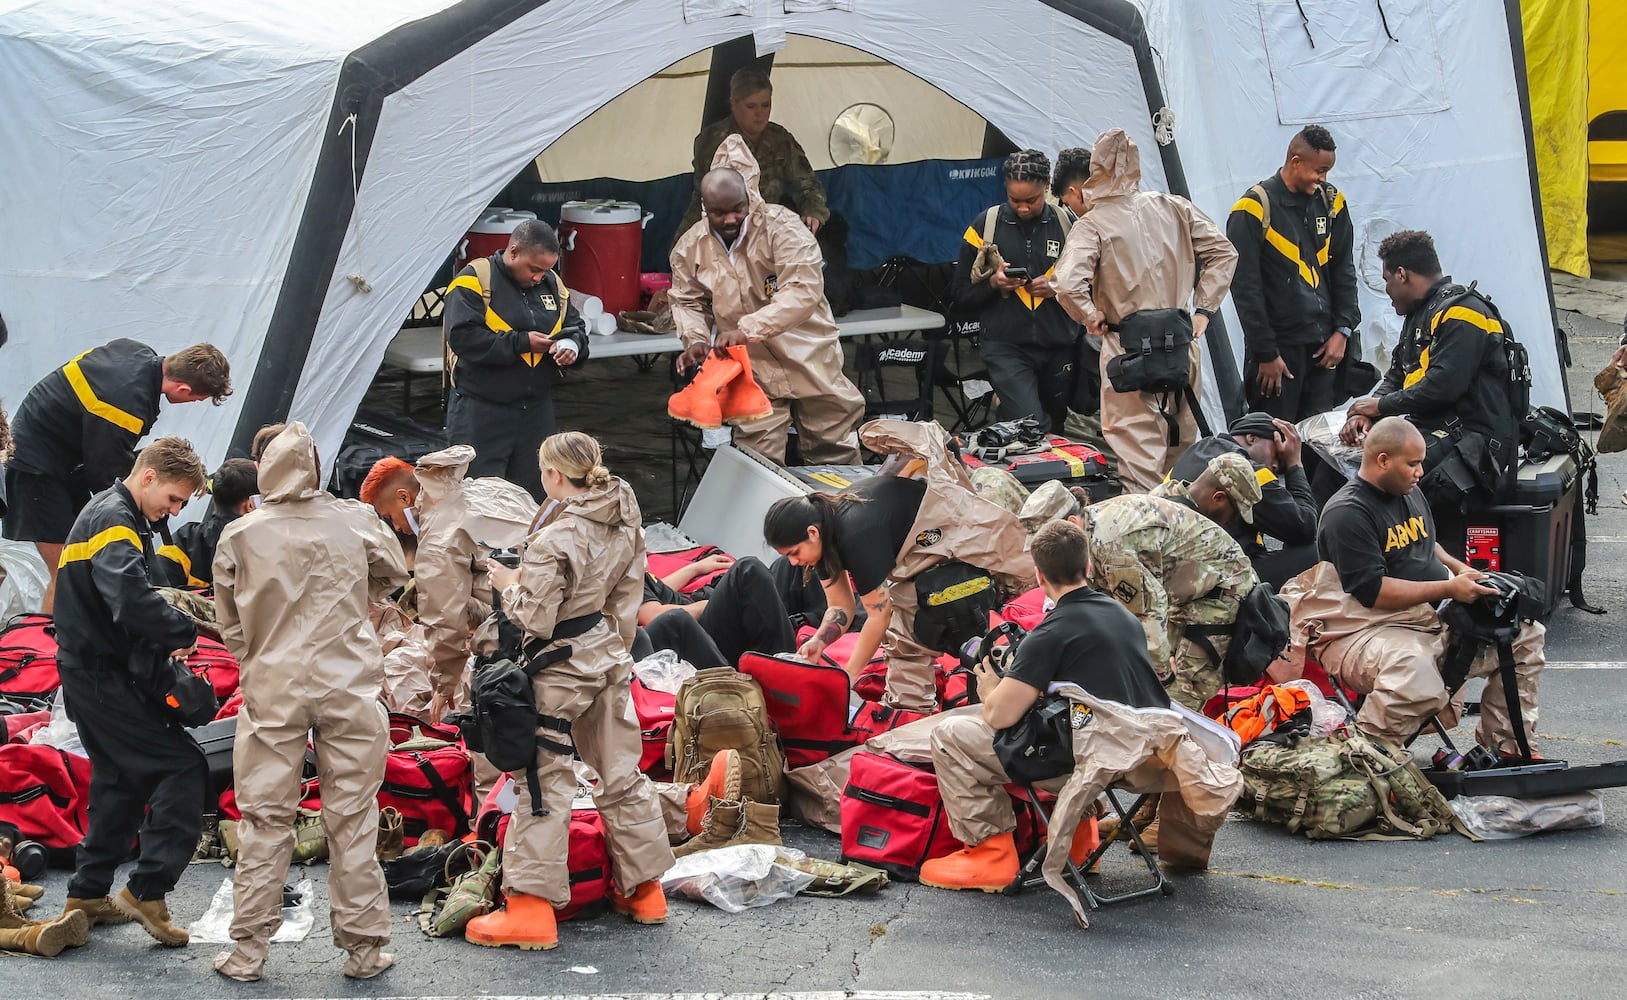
x: 1172, y: 567
x: 1234, y: 472
x: 785, y: 170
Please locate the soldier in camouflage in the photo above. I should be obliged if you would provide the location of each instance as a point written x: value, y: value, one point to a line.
x: 786, y: 177
x: 1179, y: 573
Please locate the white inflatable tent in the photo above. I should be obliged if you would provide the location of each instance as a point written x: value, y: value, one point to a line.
x: 282, y: 178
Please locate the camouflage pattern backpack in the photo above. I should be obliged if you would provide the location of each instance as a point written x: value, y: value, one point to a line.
x: 1343, y: 788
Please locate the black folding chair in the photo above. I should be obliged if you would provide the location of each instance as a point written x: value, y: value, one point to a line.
x: 1030, y: 875
x: 921, y: 357
x: 928, y: 286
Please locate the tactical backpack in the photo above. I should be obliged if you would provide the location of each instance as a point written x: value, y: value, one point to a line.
x: 1259, y: 634
x: 1343, y: 788
x: 722, y: 709
x: 1492, y: 620
x: 953, y: 602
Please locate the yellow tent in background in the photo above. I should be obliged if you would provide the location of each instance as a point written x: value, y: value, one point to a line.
x: 1556, y: 66
x: 1576, y: 65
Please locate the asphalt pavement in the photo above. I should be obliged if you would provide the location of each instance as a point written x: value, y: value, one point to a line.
x: 1276, y: 916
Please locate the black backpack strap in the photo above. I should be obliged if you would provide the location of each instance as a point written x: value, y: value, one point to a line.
x: 532, y: 784
x: 443, y: 793
x: 1511, y: 694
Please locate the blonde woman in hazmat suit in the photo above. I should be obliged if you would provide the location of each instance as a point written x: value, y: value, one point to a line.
x: 578, y: 588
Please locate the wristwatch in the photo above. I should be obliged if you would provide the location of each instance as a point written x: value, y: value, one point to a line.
x: 1344, y: 330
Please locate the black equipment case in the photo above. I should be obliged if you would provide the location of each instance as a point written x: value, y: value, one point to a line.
x: 373, y: 436
x: 1529, y: 534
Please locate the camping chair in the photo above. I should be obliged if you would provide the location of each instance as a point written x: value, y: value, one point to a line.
x: 1030, y: 875
x: 923, y: 357
x: 928, y: 286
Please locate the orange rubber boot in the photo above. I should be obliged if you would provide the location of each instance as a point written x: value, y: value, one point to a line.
x: 525, y: 922
x: 743, y: 400
x: 1085, y: 840
x: 722, y: 782
x: 698, y: 402
x: 990, y: 866
x: 647, y: 905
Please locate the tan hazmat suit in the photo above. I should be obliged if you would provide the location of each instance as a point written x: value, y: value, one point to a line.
x: 1393, y: 657
x: 1135, y: 250
x: 293, y: 581
x: 459, y: 521
x: 954, y: 523
x: 771, y: 287
x: 588, y: 558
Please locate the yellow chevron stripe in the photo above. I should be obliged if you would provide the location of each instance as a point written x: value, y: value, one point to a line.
x: 1279, y: 242
x: 175, y: 555
x: 80, y: 551
x: 1413, y: 377
x: 973, y: 237
x: 96, y: 406
x: 1469, y: 316
x: 1264, y: 477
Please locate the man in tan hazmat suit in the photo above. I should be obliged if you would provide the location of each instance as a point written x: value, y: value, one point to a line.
x: 756, y: 271
x: 1144, y: 252
x: 293, y: 581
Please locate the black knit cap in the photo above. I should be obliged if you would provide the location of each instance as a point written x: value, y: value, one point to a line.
x: 1258, y: 424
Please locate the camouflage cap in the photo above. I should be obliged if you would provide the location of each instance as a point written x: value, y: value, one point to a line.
x: 1049, y: 502
x: 1236, y: 476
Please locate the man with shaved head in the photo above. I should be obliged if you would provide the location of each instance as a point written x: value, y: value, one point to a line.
x: 1295, y: 287
x: 1384, y: 573
x: 754, y: 271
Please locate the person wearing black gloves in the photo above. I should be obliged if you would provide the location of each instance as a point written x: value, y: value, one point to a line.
x: 1007, y: 261
x: 1295, y: 286
x: 148, y: 775
x: 512, y: 331
x: 1287, y: 508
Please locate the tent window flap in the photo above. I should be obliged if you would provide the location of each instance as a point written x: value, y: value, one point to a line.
x: 1338, y: 60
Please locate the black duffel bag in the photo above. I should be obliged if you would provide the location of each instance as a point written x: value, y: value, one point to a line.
x: 953, y: 601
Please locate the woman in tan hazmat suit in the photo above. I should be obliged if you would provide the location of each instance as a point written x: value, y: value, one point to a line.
x: 293, y: 581
x: 578, y: 587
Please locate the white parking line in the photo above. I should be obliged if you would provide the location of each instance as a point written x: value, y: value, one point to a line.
x: 820, y: 995
x: 1587, y: 665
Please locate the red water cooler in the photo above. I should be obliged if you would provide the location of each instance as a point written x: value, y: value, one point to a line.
x: 489, y: 234
x: 603, y: 241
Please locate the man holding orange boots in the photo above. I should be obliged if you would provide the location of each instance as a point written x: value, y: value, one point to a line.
x: 757, y: 271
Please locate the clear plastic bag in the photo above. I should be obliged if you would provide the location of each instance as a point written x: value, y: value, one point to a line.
x: 60, y: 732
x: 1326, y: 714
x: 1321, y: 434
x: 215, y: 926
x: 1499, y: 817
x: 23, y: 578
x: 663, y: 671
x: 737, y: 878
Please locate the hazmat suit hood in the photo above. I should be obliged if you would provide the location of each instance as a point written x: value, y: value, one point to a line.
x: 288, y: 470
x: 1115, y: 168
x: 440, y: 473
x: 612, y: 504
x: 735, y: 153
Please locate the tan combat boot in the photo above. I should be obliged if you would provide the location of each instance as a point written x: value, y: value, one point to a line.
x: 723, y: 821
x: 98, y: 911
x: 390, y: 834
x: 762, y: 825
x: 153, y: 916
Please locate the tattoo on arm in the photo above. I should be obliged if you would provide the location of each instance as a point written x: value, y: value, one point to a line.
x: 832, y: 627
x: 880, y: 605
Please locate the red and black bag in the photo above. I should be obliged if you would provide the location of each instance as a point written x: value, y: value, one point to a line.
x: 212, y: 660
x: 807, y: 702
x: 429, y: 786
x: 28, y: 659
x: 655, y: 711
x: 662, y: 564
x: 45, y: 792
x: 587, y: 854
x: 310, y: 799
x: 874, y: 718
x: 1067, y: 462
x: 893, y: 816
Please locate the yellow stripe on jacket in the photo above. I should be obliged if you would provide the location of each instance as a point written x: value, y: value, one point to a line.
x: 1280, y: 243
x: 95, y: 405
x: 81, y: 551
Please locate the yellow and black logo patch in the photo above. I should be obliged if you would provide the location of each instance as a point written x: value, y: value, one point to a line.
x: 1053, y: 248
x: 771, y: 284
x: 1405, y: 534
x: 548, y: 302
x: 929, y: 537
x: 1079, y: 718
x: 1321, y: 225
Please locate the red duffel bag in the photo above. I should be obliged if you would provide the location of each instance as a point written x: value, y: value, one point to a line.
x: 664, y: 564
x: 587, y: 856
x: 310, y: 799
x: 45, y: 792
x: 893, y: 816
x: 427, y: 778
x: 807, y: 702
x: 654, y: 710
x: 215, y: 662
x: 28, y: 667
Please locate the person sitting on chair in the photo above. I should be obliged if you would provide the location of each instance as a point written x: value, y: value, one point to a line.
x: 1090, y: 640
x: 1387, y: 572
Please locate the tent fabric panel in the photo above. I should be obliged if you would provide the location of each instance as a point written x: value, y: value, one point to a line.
x: 447, y: 142
x: 1556, y: 59
x: 1607, y: 84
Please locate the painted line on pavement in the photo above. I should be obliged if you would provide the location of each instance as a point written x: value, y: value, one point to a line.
x: 1586, y: 665
x: 819, y: 995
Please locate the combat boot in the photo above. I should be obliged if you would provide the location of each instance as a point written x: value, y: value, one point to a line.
x: 699, y: 402
x: 989, y: 866
x: 28, y: 892
x: 99, y: 911
x: 722, y: 782
x: 46, y: 939
x: 647, y: 904
x: 761, y: 826
x: 391, y: 834
x: 153, y: 916
x: 723, y: 821
x: 742, y: 399
x: 525, y: 922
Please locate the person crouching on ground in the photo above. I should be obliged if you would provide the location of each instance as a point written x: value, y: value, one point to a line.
x: 292, y: 587
x: 578, y: 588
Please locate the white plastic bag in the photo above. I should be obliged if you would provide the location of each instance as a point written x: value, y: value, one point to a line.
x: 737, y: 878
x: 1500, y: 817
x: 1326, y: 715
x: 663, y: 671
x: 60, y: 732
x: 215, y: 926
x: 23, y: 578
